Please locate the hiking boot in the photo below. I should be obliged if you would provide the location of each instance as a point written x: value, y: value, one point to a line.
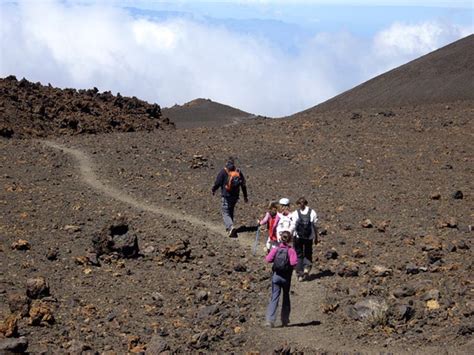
x: 300, y: 278
x: 232, y: 233
x: 269, y: 324
x: 306, y: 271
x: 285, y: 323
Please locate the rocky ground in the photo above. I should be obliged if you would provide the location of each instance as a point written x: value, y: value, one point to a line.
x: 33, y: 110
x: 393, y: 271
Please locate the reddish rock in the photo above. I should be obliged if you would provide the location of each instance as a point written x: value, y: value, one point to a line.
x: 37, y: 287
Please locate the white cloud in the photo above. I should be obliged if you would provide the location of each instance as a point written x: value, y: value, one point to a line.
x: 178, y: 60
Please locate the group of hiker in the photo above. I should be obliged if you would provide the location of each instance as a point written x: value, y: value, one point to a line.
x: 284, y: 227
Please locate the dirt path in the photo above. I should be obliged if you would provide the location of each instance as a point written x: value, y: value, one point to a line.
x: 305, y: 330
x: 86, y: 168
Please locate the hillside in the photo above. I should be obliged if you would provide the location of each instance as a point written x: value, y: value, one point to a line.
x: 204, y: 113
x: 444, y: 75
x: 33, y: 110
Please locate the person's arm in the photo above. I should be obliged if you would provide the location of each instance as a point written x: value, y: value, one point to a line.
x: 271, y: 255
x: 220, y: 179
x: 292, y: 256
x: 243, y: 186
x: 314, y: 218
x: 265, y: 219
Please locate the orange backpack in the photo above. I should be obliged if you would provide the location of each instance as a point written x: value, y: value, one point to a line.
x: 233, y: 179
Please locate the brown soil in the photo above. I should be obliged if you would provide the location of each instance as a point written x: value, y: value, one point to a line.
x: 205, y: 113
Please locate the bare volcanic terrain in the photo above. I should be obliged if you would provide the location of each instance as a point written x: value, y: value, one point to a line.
x: 444, y: 75
x: 30, y: 109
x: 204, y: 113
x: 112, y: 243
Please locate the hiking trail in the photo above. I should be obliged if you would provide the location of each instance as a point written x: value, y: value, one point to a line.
x: 304, y: 329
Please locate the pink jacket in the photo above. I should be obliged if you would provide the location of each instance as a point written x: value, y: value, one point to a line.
x: 291, y: 254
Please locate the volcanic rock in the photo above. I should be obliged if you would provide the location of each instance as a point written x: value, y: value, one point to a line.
x: 331, y: 254
x: 9, y: 327
x: 41, y: 313
x: 37, y: 287
x: 381, y: 271
x: 348, y: 269
x: 19, y: 304
x: 404, y: 291
x: 13, y: 345
x: 116, y: 238
x: 366, y: 223
x: 21, y: 244
x: 157, y: 345
x: 458, y: 195
x: 178, y: 252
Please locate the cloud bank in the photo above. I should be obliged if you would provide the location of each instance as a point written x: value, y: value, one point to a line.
x: 177, y: 60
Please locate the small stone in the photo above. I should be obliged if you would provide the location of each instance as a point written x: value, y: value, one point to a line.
x: 432, y: 305
x: 357, y: 253
x: 431, y: 295
x: 21, y: 244
x: 331, y: 254
x: 458, y: 195
x: 366, y: 223
x: 348, y: 269
x: 202, y: 296
x: 52, y: 254
x: 13, y: 345
x: 19, y: 303
x: 37, y: 288
x: 404, y: 291
x: 157, y: 345
x: 9, y: 327
x: 240, y: 268
x: 381, y: 271
x: 382, y: 226
x: 435, y: 196
x: 41, y: 313
x: 149, y: 250
x: 412, y: 269
x: 72, y: 228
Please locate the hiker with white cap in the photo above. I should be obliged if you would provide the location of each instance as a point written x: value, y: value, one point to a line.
x: 285, y: 221
x: 305, y: 220
x: 230, y: 180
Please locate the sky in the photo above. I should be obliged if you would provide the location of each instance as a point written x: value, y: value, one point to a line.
x: 271, y: 58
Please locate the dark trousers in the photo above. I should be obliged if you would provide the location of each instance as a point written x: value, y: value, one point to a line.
x: 279, y: 283
x: 304, y: 252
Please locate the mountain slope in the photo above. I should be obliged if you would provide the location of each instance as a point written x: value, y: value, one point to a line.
x: 444, y: 75
x: 204, y: 112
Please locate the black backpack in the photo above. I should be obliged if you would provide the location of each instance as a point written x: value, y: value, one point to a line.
x: 304, y: 227
x: 281, y: 262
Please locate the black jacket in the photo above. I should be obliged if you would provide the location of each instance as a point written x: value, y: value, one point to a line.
x: 221, y: 181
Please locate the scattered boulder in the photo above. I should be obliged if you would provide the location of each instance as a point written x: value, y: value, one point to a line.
x: 198, y: 162
x: 37, y: 288
x: 21, y: 244
x: 41, y: 313
x: 13, y: 345
x: 367, y: 223
x: 52, y: 254
x: 348, y: 269
x: 433, y: 294
x: 331, y: 254
x: 403, y: 291
x: 9, y: 327
x: 402, y: 312
x: 202, y: 296
x: 19, y: 304
x: 434, y: 256
x: 178, y: 252
x: 77, y: 347
x: 457, y: 195
x: 116, y: 238
x: 431, y: 243
x: 157, y: 345
x: 435, y: 196
x: 207, y: 311
x: 382, y: 226
x: 381, y: 271
x: 373, y: 310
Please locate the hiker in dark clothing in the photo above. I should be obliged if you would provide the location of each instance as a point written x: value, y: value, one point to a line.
x: 230, y: 180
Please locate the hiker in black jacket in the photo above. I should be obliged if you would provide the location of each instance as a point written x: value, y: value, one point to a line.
x: 230, y: 180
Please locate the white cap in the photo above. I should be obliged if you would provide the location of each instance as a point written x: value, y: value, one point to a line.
x: 284, y: 201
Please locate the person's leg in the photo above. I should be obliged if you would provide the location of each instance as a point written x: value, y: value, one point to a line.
x: 274, y: 299
x: 298, y: 245
x: 227, y: 213
x: 308, y: 256
x: 286, y: 305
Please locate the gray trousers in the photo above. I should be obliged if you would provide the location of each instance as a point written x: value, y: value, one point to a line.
x: 280, y: 283
x: 227, y: 210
